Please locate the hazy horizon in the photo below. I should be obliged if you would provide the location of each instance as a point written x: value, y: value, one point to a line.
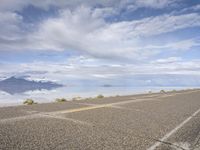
x: 134, y: 42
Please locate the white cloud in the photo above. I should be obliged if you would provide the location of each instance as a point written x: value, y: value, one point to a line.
x: 168, y: 60
x: 99, y: 70
x: 81, y: 26
x: 183, y: 45
x: 155, y: 3
x: 84, y: 29
x: 9, y: 23
x: 177, y: 46
x: 45, y: 4
x: 164, y: 23
x: 194, y: 8
x: 13, y: 33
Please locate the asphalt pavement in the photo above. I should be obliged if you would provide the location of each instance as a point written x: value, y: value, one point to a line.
x: 158, y: 121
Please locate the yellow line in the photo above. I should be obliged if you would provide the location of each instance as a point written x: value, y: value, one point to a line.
x: 82, y: 109
x: 100, y: 106
x: 112, y: 104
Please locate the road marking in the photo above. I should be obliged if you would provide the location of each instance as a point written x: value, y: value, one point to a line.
x: 30, y: 116
x: 80, y: 109
x: 68, y: 119
x: 90, y: 107
x: 100, y: 106
x: 151, y: 96
x: 96, y: 106
x: 42, y: 115
x: 163, y: 139
x: 7, y: 120
x: 182, y: 145
x: 134, y: 101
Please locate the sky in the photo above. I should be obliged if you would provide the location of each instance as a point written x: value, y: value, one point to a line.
x: 141, y: 42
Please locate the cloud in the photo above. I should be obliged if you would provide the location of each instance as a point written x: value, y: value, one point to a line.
x: 80, y: 68
x: 164, y: 23
x: 13, y: 32
x: 183, y: 45
x: 155, y: 3
x: 83, y: 31
x: 168, y: 60
x: 83, y: 28
x: 194, y: 8
x: 10, y: 23
x: 103, y: 49
x: 20, y: 4
x: 176, y: 46
x: 13, y: 5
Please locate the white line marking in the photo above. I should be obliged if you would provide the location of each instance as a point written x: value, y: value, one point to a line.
x: 153, y: 147
x: 41, y: 115
x: 7, y: 120
x: 68, y: 119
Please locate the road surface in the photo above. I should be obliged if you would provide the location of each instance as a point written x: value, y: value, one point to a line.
x: 159, y: 121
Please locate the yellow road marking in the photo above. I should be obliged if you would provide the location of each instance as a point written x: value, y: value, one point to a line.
x: 95, y: 106
x: 117, y: 103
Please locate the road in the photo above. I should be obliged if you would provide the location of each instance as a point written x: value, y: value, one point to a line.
x: 158, y: 121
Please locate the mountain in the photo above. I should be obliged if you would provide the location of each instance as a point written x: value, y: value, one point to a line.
x: 15, y: 85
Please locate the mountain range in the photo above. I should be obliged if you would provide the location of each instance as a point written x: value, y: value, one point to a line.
x: 15, y: 85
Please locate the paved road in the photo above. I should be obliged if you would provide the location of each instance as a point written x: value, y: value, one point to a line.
x: 169, y: 121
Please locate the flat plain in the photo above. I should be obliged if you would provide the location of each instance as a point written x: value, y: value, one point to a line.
x: 160, y: 121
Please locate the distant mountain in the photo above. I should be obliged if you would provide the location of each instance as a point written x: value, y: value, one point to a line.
x: 107, y: 85
x: 15, y: 85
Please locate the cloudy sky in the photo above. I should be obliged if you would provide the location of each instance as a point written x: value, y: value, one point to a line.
x: 104, y: 40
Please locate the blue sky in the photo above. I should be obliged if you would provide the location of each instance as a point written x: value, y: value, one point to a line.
x: 106, y: 41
